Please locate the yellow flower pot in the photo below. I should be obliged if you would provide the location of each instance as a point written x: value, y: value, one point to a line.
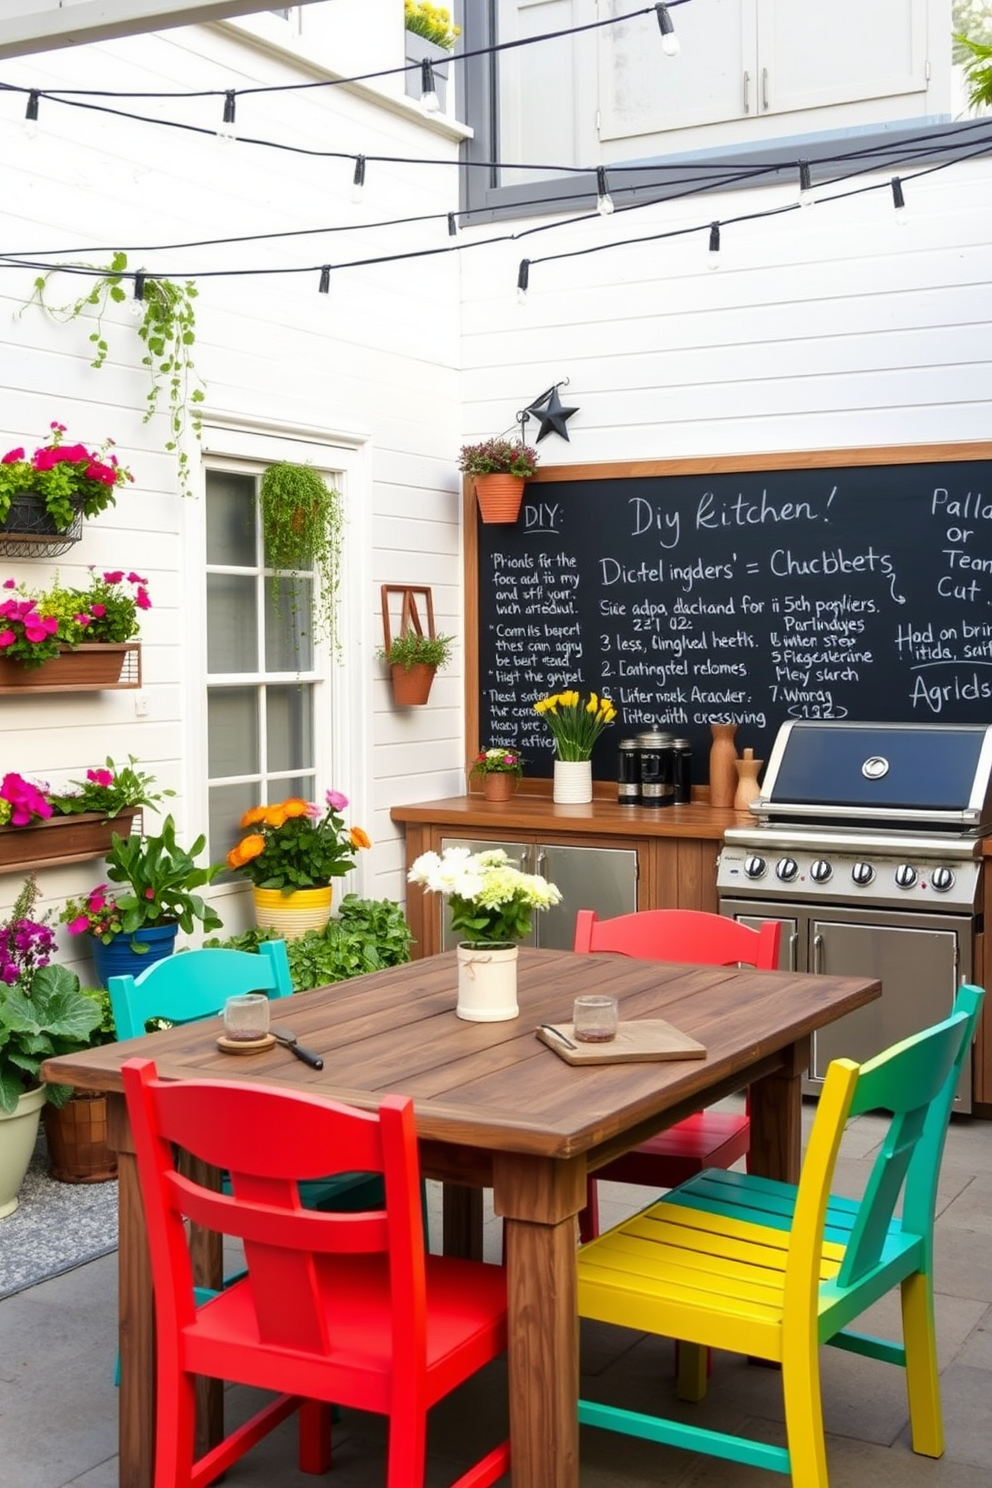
x: 292, y: 915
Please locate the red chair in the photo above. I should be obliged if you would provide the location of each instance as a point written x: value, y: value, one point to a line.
x: 708, y: 1139
x: 333, y: 1307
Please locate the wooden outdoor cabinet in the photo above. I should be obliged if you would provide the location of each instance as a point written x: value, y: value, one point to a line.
x: 676, y: 848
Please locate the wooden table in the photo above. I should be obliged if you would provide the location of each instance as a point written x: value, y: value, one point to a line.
x: 496, y: 1107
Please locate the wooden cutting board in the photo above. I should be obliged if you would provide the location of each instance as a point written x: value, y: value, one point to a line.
x: 635, y: 1043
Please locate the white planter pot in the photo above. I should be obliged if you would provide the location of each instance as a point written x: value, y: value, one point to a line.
x: 18, y: 1132
x: 487, y: 982
x: 573, y: 782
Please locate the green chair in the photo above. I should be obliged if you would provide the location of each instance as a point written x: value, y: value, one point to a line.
x: 772, y: 1270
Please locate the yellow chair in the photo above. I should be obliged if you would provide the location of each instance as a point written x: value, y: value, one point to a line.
x: 767, y: 1269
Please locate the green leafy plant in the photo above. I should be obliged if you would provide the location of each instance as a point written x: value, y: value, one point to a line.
x: 432, y: 22
x: 412, y: 649
x: 498, y: 457
x: 168, y: 330
x: 977, y: 57
x: 303, y: 529
x: 366, y: 935
x: 69, y: 478
x: 297, y: 845
x: 160, y: 879
x: 110, y: 790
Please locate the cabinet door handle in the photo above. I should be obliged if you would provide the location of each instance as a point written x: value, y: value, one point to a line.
x: 817, y: 953
x: 764, y: 87
x: 747, y: 93
x: 542, y: 859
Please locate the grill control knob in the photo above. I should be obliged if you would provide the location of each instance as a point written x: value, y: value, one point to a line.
x: 786, y: 869
x: 905, y: 876
x: 941, y: 879
x: 862, y: 874
x: 820, y: 871
x: 754, y: 865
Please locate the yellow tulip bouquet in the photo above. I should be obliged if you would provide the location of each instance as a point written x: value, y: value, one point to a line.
x: 575, y: 722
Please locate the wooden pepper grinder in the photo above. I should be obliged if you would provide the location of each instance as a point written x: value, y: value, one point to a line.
x: 748, y: 789
x: 723, y: 765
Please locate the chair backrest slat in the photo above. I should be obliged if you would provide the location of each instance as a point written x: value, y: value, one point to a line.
x: 194, y: 984
x: 695, y: 936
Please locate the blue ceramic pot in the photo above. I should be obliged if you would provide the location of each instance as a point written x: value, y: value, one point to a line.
x: 118, y: 958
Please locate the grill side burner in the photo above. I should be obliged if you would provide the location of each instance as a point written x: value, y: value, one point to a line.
x: 867, y: 845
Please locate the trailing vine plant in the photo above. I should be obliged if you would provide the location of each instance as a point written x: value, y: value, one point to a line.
x: 167, y: 328
x: 302, y: 529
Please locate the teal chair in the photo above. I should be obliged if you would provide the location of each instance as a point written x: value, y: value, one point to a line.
x: 772, y: 1270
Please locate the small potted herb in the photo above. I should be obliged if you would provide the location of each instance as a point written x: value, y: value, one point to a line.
x: 499, y: 468
x: 413, y: 658
x: 500, y: 771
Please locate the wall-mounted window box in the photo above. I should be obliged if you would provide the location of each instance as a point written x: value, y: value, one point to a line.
x: 86, y: 668
x: 60, y: 839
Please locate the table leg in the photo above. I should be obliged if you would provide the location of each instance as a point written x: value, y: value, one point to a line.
x: 776, y: 1117
x: 136, y: 1333
x: 539, y: 1200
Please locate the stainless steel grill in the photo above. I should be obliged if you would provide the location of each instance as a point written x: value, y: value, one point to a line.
x: 867, y: 844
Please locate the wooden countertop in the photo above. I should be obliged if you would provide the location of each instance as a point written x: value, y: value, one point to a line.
x: 534, y: 813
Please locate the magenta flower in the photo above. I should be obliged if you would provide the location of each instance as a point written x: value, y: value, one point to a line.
x: 335, y: 800
x: 26, y: 800
x: 100, y: 777
x: 79, y: 925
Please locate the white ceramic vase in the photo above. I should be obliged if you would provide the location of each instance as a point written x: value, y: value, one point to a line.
x: 573, y: 782
x: 487, y: 982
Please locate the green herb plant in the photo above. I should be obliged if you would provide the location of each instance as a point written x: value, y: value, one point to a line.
x: 366, y: 935
x: 168, y: 330
x: 412, y: 649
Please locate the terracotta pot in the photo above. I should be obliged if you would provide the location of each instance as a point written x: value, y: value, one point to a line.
x: 83, y: 668
x: 499, y: 496
x: 292, y: 915
x: 76, y: 1133
x: 412, y: 685
x: 498, y: 786
x: 60, y: 839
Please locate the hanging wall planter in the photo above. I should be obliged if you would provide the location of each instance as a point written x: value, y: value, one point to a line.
x: 30, y: 531
x: 60, y: 839
x: 499, y: 469
x: 500, y: 497
x: 84, y: 668
x: 412, y: 656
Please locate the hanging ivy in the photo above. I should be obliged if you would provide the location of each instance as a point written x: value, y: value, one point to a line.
x: 167, y: 327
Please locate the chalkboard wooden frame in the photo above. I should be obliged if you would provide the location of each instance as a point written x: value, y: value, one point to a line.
x: 889, y: 456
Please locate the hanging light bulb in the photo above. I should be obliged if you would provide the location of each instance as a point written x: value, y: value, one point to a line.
x: 226, y: 131
x: 137, y: 305
x: 30, y: 125
x: 604, y: 201
x: 806, y: 198
x: 452, y: 225
x: 358, y: 181
x: 714, y: 253
x: 899, y: 202
x: 429, y: 101
x: 670, y: 44
x: 523, y: 279
x: 324, y: 287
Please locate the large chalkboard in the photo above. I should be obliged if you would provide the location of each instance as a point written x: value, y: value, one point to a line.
x: 696, y: 593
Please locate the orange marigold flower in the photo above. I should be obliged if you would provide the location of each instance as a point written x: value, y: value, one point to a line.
x: 275, y: 816
x: 359, y: 838
x: 295, y: 807
x: 255, y: 815
x: 249, y: 847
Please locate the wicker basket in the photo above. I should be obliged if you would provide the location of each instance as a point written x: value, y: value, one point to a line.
x: 76, y: 1133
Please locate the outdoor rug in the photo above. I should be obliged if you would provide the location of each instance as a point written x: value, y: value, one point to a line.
x: 55, y: 1227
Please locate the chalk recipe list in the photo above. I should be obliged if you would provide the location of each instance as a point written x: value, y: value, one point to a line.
x: 860, y: 592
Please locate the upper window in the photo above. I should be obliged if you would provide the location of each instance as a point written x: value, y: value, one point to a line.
x: 750, y: 74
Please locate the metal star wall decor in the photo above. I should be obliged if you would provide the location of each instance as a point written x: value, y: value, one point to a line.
x: 550, y: 413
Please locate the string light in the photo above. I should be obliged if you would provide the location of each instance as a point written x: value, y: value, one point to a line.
x: 714, y: 253
x: 226, y: 131
x: 358, y: 180
x: 604, y: 201
x: 805, y: 185
x: 429, y: 100
x: 30, y: 125
x: 324, y: 287
x: 670, y: 44
x: 898, y: 201
x: 523, y: 281
x: 452, y: 225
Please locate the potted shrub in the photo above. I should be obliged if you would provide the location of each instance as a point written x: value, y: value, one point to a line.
x: 40, y: 825
x: 69, y: 637
x: 42, y: 1013
x: 302, y: 528
x: 500, y: 771
x: 76, y: 1131
x: 499, y: 468
x: 45, y: 496
x: 413, y: 658
x: 130, y: 930
x: 292, y: 852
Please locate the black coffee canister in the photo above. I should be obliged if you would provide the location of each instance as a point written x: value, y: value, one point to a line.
x: 682, y: 750
x: 657, y: 769
x: 628, y: 773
